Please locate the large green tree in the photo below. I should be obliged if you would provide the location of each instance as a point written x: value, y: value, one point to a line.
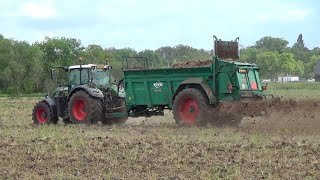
x: 23, y: 72
x: 311, y: 65
x: 249, y: 54
x: 95, y: 54
x: 60, y: 51
x: 6, y: 52
x: 269, y: 43
x: 300, y: 51
x: 152, y: 58
x: 116, y: 58
x: 181, y: 52
x: 269, y: 64
x: 287, y: 64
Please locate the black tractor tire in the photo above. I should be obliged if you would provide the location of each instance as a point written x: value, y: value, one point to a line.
x: 67, y: 121
x: 84, y: 109
x: 110, y: 121
x: 190, y: 107
x: 42, y: 114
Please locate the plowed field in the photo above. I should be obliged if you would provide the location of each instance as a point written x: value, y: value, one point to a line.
x: 156, y: 148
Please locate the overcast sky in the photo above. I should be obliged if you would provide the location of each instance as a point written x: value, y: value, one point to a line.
x: 150, y: 24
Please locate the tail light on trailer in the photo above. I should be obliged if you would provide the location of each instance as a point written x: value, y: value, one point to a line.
x: 265, y: 87
x: 254, y: 85
x: 230, y: 87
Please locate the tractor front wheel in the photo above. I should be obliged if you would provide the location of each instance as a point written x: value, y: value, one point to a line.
x: 190, y: 107
x: 84, y: 109
x: 42, y: 114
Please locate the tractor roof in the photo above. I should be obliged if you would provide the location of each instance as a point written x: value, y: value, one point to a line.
x: 88, y: 66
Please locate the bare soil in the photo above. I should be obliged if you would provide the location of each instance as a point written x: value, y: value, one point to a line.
x: 284, y: 143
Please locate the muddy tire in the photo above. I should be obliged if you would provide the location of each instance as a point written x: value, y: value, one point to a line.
x: 190, y: 107
x: 110, y: 121
x: 67, y: 121
x: 42, y: 114
x: 84, y: 109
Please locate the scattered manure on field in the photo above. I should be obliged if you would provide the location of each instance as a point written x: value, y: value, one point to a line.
x: 291, y: 115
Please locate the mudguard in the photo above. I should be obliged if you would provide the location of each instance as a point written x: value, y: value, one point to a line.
x: 92, y: 91
x: 52, y: 106
x: 198, y: 81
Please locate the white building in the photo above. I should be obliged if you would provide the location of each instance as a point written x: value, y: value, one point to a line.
x: 288, y: 79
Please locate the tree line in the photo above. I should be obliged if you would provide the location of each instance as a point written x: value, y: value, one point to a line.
x: 25, y: 67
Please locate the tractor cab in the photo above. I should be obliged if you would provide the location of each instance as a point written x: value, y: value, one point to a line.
x: 93, y: 75
x: 96, y: 75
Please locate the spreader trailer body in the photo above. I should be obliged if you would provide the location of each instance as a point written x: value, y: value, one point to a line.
x: 191, y: 91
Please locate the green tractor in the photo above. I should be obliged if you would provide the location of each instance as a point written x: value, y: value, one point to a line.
x: 89, y: 96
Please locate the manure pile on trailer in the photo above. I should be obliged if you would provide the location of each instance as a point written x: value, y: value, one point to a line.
x: 193, y: 63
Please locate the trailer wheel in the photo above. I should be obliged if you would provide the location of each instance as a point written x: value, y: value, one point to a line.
x: 190, y: 107
x: 84, y: 109
x: 42, y: 114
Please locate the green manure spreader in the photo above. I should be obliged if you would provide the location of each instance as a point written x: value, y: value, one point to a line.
x: 192, y: 93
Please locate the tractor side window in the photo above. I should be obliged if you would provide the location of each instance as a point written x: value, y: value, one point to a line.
x: 74, y: 77
x: 84, y: 76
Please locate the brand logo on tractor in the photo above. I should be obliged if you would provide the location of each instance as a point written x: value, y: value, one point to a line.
x: 158, y: 84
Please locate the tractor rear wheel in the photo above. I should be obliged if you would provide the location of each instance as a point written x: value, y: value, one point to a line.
x: 42, y: 114
x: 190, y: 107
x: 84, y: 109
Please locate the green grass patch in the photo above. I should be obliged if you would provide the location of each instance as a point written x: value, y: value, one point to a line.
x: 295, y: 89
x: 295, y: 85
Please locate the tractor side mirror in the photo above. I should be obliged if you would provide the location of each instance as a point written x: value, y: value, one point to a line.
x: 53, y: 73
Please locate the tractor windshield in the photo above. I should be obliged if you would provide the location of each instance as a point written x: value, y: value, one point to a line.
x: 100, y: 77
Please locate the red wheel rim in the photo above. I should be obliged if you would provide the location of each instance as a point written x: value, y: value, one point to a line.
x: 189, y: 110
x: 78, y: 109
x: 41, y: 115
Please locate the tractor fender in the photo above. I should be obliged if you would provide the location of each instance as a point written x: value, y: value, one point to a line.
x: 199, y: 83
x: 95, y: 92
x: 52, y: 106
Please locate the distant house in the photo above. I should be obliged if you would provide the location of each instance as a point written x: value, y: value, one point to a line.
x: 284, y: 79
x: 317, y: 72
